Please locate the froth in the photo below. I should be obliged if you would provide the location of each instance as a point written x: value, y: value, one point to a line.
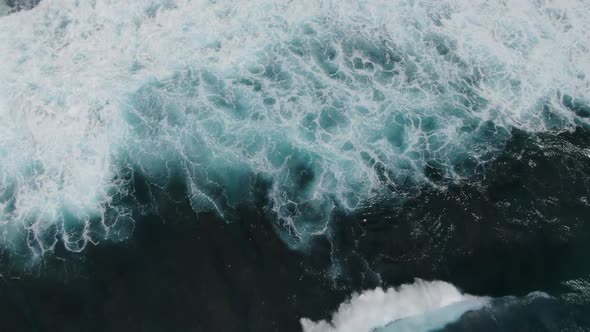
x: 378, y: 308
x: 334, y: 104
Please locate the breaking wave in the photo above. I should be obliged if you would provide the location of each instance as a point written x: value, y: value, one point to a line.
x: 334, y: 105
x: 421, y: 306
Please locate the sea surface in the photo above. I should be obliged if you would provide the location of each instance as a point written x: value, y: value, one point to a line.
x: 279, y: 165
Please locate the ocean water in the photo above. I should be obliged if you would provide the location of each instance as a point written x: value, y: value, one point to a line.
x: 202, y: 165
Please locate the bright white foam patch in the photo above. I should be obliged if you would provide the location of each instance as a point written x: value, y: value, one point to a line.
x: 334, y: 103
x: 421, y: 306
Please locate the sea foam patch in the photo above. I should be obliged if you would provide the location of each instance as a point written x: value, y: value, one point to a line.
x: 333, y: 104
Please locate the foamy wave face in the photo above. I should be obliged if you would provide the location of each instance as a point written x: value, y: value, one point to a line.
x: 335, y: 104
x: 421, y: 306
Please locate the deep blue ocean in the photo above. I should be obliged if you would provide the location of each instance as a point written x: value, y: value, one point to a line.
x: 279, y: 165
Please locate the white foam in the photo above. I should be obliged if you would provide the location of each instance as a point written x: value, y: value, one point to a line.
x: 66, y: 74
x: 362, y: 95
x: 420, y: 306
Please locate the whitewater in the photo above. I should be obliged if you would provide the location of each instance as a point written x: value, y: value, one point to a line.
x: 421, y: 306
x: 334, y: 105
